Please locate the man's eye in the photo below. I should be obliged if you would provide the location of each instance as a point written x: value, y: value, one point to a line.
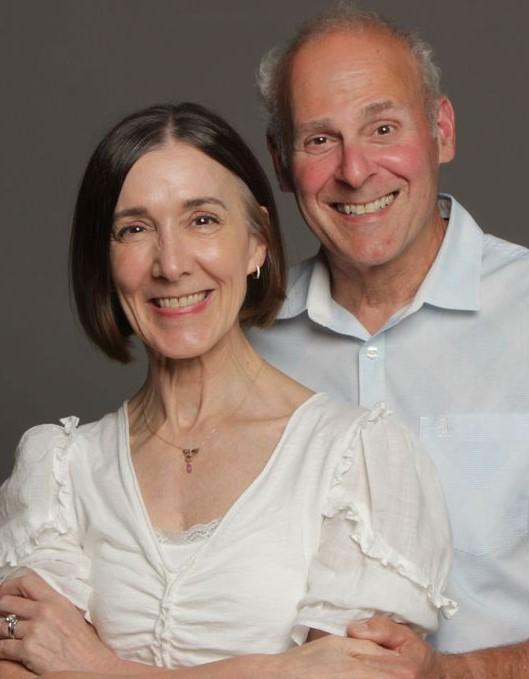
x: 319, y: 143
x: 320, y: 140
x: 384, y: 129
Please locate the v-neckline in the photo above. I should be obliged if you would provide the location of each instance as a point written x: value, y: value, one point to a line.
x: 126, y: 453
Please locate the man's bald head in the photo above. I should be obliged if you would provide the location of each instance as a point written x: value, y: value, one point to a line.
x: 275, y: 68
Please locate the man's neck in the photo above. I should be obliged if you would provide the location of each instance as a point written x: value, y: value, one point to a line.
x: 374, y: 294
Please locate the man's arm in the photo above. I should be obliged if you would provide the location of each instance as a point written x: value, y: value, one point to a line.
x: 504, y: 662
x: 422, y: 662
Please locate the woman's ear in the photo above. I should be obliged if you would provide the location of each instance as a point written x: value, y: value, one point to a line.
x: 258, y: 248
x: 258, y: 255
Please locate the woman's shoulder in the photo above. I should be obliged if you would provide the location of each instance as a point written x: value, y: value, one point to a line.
x: 325, y: 411
x: 65, y: 437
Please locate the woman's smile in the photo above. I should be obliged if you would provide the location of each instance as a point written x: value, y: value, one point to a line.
x: 183, y: 304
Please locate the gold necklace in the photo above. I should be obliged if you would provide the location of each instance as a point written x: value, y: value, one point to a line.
x: 190, y: 451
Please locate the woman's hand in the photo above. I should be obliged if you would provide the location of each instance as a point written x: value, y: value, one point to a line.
x: 51, y: 634
x: 327, y: 658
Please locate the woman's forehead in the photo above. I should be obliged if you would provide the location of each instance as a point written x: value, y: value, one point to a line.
x: 177, y: 171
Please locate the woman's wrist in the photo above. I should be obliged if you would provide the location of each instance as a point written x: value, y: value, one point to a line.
x: 14, y: 670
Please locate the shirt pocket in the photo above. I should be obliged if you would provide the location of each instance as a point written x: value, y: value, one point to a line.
x: 483, y: 462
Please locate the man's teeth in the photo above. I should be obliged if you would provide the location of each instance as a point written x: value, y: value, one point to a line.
x: 180, y: 302
x: 366, y: 208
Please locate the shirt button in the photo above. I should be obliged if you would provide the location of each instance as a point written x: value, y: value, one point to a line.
x: 372, y: 352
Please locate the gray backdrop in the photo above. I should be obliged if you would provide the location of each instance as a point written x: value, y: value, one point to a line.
x: 71, y: 68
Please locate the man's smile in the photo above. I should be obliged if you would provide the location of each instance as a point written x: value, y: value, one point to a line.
x: 366, y: 208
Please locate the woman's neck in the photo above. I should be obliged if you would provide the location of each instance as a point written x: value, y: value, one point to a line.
x: 192, y: 395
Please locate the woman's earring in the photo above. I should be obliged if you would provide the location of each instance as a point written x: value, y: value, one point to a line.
x: 257, y: 273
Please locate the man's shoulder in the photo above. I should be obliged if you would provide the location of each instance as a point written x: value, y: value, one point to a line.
x: 497, y: 257
x: 504, y: 258
x: 501, y: 250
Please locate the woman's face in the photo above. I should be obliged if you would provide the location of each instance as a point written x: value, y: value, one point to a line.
x: 181, y: 250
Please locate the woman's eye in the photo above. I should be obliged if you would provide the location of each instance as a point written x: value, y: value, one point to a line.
x: 205, y: 220
x: 129, y: 231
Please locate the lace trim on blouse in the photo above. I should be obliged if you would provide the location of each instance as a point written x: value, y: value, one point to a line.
x: 197, y: 533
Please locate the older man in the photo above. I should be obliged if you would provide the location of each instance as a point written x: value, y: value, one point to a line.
x: 410, y: 303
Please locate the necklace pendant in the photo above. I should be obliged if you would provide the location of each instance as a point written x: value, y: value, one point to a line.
x: 189, y: 454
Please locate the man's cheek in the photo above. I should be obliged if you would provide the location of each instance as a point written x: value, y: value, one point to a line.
x: 311, y: 174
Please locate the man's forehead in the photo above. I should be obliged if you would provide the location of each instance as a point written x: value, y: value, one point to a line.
x: 338, y: 54
x: 369, y: 74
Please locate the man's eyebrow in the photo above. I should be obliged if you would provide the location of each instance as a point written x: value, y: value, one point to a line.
x: 188, y: 204
x: 314, y: 126
x: 324, y: 124
x: 377, y: 107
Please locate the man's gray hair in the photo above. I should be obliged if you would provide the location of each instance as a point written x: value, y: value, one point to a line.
x: 273, y: 71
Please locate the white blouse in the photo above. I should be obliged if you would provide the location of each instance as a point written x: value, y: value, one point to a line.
x: 347, y: 518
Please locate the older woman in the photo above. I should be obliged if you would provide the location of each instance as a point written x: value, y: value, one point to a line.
x: 224, y: 512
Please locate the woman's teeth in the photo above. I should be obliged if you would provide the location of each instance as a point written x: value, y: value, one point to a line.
x: 366, y: 208
x: 180, y: 302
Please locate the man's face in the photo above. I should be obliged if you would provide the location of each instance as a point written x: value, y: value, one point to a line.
x: 364, y: 166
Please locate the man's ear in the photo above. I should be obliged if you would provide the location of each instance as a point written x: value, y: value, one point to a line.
x: 282, y: 173
x: 446, y: 130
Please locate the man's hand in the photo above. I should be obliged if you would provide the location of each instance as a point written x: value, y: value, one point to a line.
x: 416, y: 659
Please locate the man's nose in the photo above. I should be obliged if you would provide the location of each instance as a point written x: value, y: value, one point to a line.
x: 356, y: 165
x: 172, y: 258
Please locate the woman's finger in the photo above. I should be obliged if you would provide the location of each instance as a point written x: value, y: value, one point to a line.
x: 28, y: 585
x: 11, y: 649
x: 16, y: 605
x: 20, y: 629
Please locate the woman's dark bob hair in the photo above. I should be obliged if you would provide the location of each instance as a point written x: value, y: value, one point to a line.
x: 97, y: 303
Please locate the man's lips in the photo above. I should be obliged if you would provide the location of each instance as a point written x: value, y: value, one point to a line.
x: 366, y: 208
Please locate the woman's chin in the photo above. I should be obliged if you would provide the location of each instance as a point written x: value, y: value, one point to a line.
x: 180, y: 349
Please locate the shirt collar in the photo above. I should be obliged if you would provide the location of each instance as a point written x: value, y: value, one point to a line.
x: 452, y: 282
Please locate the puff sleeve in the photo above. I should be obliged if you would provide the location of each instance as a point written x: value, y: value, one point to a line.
x: 385, y: 545
x: 38, y: 527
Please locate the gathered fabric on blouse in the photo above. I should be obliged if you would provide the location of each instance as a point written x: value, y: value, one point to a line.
x: 346, y: 519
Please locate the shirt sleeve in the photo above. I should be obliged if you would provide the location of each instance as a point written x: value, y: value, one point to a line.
x: 385, y: 545
x: 38, y: 527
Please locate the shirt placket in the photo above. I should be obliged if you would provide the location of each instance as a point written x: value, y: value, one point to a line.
x: 372, y: 371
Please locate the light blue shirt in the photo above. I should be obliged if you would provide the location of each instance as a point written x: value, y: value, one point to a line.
x: 454, y: 365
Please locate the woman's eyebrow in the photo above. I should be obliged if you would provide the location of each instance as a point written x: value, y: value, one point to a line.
x: 188, y: 204
x: 130, y: 212
x: 203, y: 200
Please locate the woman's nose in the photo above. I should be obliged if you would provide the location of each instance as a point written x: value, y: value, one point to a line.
x: 172, y: 258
